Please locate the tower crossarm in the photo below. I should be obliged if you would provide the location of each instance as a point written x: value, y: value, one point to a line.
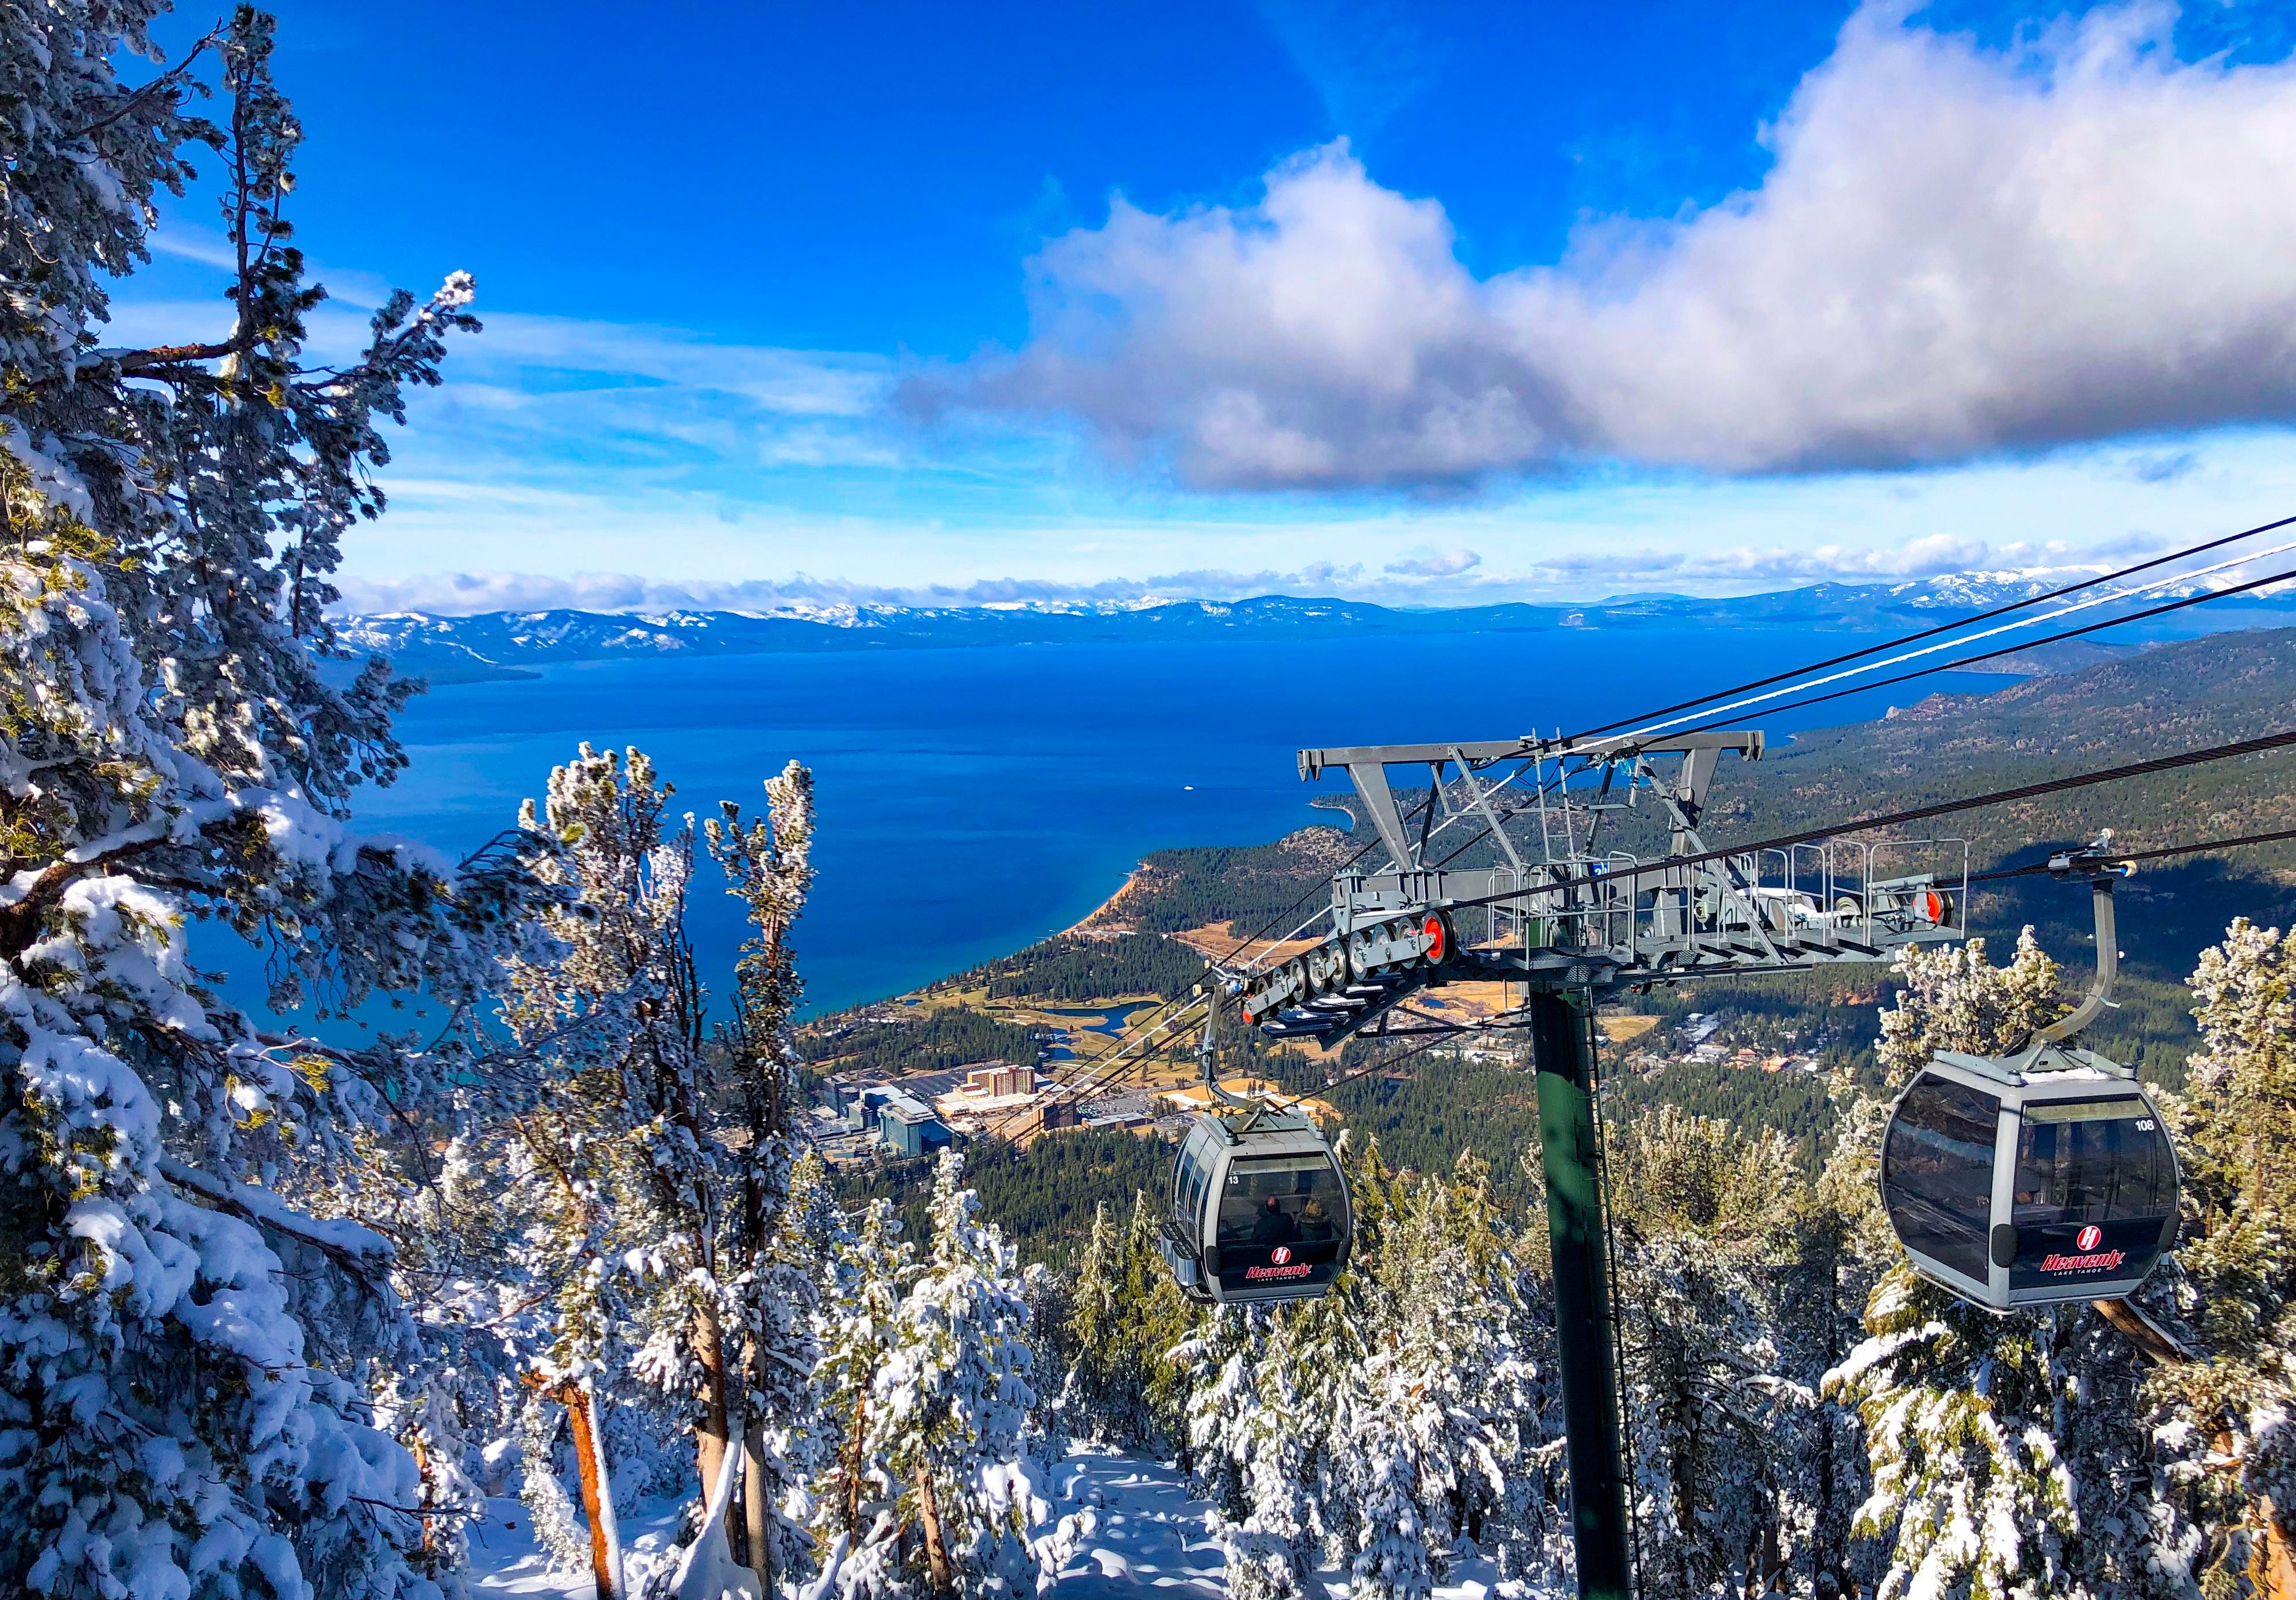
x: 1555, y: 914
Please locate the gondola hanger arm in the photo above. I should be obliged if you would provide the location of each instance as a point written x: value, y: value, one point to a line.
x: 2094, y: 862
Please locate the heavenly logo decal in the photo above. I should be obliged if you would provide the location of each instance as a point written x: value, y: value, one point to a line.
x: 1284, y: 1251
x: 2088, y: 1257
x: 1284, y: 1266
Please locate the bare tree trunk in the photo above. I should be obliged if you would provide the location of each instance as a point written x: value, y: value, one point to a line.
x: 936, y: 1547
x: 582, y: 1416
x: 2141, y: 1330
x: 420, y: 1445
x: 2271, y: 1563
x: 712, y: 1432
x: 757, y: 1507
x: 853, y: 1463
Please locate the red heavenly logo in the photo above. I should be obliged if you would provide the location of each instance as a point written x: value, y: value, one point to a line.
x: 2088, y: 1258
x: 1284, y: 1266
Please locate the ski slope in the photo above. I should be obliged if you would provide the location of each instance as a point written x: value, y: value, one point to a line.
x: 1146, y: 1534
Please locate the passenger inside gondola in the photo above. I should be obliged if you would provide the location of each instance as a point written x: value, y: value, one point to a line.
x: 1269, y: 1202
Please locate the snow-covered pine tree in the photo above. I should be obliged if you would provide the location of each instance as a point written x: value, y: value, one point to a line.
x: 948, y: 1408
x: 1125, y: 1317
x: 192, y: 1329
x: 2223, y: 1430
x: 1425, y: 1458
x: 1157, y: 1319
x: 1249, y: 1455
x: 857, y: 1502
x: 768, y: 1253
x: 1096, y: 1330
x: 1718, y: 1423
x: 1841, y: 1244
x: 622, y: 1181
x: 1273, y: 1394
x: 2008, y: 1453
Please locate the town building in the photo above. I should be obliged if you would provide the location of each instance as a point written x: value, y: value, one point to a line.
x: 909, y: 1127
x: 996, y: 1080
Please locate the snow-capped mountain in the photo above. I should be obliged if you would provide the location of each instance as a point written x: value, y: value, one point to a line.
x: 512, y: 643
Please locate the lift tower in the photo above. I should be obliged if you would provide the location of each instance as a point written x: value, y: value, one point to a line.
x: 1544, y: 905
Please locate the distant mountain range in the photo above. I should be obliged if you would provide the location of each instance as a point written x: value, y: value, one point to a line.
x: 509, y: 645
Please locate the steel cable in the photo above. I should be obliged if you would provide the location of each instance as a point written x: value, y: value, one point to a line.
x: 1945, y: 628
x: 2070, y: 633
x: 2261, y: 745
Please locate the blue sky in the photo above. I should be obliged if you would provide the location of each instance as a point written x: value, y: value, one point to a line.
x: 1421, y: 303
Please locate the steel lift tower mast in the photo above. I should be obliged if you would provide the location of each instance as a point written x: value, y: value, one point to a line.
x: 1571, y: 923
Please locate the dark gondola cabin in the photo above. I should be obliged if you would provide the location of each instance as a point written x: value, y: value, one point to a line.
x: 2033, y: 1181
x: 1259, y: 1211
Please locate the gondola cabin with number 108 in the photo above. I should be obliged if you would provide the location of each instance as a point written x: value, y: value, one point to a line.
x: 2040, y: 1177
x: 2032, y: 1183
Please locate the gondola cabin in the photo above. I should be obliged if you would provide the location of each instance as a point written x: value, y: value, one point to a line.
x: 1259, y: 1211
x: 2031, y: 1181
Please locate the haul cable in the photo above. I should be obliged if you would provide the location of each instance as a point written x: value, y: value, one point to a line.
x: 2071, y: 632
x: 2204, y: 847
x: 2260, y: 745
x: 1944, y: 627
x: 2080, y: 605
x: 1369, y: 845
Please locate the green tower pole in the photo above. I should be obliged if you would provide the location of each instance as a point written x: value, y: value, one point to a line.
x: 1563, y: 1048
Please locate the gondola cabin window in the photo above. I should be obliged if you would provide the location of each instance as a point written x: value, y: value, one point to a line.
x: 1281, y: 1200
x: 1938, y: 1172
x: 2095, y: 1190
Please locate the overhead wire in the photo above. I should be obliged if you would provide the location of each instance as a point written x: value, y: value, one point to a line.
x: 2204, y: 847
x: 1101, y: 1087
x: 1380, y: 1065
x: 2055, y: 638
x: 2261, y: 745
x: 1093, y: 1088
x: 2081, y: 606
x: 1915, y: 638
x: 1944, y: 627
x: 2161, y: 764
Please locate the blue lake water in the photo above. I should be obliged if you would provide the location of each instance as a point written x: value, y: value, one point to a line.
x: 973, y: 800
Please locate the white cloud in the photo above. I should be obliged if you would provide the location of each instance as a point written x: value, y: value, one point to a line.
x: 1933, y: 556
x: 463, y: 593
x: 1956, y: 251
x: 1449, y: 563
x: 1451, y: 579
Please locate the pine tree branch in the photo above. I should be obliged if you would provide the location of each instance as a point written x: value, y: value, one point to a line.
x: 270, y: 1211
x: 168, y: 81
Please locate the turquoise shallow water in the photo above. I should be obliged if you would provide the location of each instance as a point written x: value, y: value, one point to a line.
x: 972, y: 801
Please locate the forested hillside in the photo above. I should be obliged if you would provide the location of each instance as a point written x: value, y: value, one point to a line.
x: 934, y: 1040
x: 1073, y: 968
x: 1248, y: 885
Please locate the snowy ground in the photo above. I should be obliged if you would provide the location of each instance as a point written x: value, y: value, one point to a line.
x: 504, y: 1559
x: 1150, y: 1535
